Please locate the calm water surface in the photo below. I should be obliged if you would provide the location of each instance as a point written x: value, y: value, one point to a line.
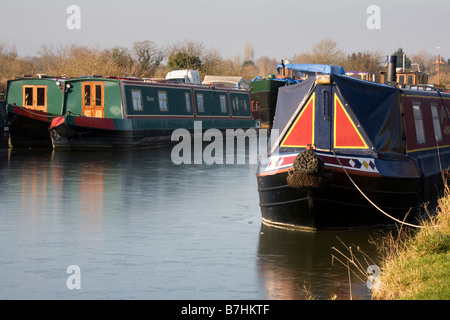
x: 140, y: 227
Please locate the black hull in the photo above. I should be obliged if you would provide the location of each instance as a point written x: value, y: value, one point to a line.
x: 4, y: 137
x: 27, y: 132
x: 339, y: 205
x: 66, y: 137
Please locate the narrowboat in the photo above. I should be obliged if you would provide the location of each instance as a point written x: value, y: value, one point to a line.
x: 350, y: 153
x: 264, y: 90
x: 109, y: 112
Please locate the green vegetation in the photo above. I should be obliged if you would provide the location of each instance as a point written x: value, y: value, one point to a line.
x: 399, y: 54
x: 416, y: 263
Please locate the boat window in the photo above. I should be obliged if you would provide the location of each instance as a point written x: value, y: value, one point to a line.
x: 98, y: 95
x: 40, y: 96
x: 244, y: 103
x: 136, y: 97
x: 87, y: 94
x: 418, y: 122
x: 235, y: 104
x: 187, y: 98
x: 163, y: 102
x: 200, y: 103
x: 436, y: 122
x: 35, y: 97
x: 28, y: 96
x: 223, y: 104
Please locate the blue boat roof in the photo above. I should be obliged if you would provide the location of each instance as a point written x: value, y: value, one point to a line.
x: 290, y: 81
x: 314, y: 68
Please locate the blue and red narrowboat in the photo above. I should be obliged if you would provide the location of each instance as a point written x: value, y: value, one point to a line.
x: 351, y: 153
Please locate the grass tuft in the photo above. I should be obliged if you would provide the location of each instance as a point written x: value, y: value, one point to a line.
x: 416, y: 262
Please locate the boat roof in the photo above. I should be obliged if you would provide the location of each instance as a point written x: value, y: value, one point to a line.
x: 227, y: 80
x: 314, y: 68
x: 374, y: 107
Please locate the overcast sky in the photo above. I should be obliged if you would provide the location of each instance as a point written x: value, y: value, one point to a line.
x: 276, y: 28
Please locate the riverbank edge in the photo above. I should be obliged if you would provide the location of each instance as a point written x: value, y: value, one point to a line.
x: 415, y: 263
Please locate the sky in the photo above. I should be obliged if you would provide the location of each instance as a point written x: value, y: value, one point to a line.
x: 277, y: 29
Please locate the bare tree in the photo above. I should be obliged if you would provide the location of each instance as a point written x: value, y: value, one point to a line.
x: 249, y: 52
x: 326, y: 51
x: 212, y: 63
x: 423, y: 61
x: 149, y: 57
x: 186, y: 55
x: 364, y: 61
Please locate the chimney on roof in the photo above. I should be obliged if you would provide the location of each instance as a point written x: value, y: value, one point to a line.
x: 391, y: 71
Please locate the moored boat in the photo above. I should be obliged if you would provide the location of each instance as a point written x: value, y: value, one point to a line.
x: 32, y: 103
x: 352, y: 153
x: 106, y: 112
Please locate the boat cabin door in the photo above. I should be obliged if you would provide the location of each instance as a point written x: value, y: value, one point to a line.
x: 323, y: 117
x: 93, y: 99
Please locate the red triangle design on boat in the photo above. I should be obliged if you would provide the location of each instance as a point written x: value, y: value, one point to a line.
x: 301, y: 132
x: 346, y: 134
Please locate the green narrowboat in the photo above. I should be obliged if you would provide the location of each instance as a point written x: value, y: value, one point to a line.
x: 264, y: 92
x: 109, y: 112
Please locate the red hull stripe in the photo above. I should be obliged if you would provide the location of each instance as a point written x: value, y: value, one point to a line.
x: 99, y: 123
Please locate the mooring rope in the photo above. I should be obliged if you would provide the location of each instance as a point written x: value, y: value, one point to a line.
x: 371, y: 202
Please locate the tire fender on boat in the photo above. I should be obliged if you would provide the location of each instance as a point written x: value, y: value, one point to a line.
x: 307, y: 171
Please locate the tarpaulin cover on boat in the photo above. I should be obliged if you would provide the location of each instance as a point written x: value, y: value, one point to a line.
x: 314, y: 68
x: 376, y: 107
x: 288, y: 102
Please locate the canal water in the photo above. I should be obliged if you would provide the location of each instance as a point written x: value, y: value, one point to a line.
x: 134, y: 225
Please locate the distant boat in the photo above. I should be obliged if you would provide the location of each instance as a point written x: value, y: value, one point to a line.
x: 353, y: 153
x: 264, y: 90
x: 106, y: 112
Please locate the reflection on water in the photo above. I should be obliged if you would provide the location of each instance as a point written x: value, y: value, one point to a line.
x: 141, y: 227
x: 298, y: 265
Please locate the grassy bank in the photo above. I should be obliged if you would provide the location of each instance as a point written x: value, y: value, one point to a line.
x: 416, y: 263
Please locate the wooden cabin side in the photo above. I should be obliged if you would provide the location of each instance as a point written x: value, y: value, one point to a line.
x: 37, y: 94
x: 94, y: 97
